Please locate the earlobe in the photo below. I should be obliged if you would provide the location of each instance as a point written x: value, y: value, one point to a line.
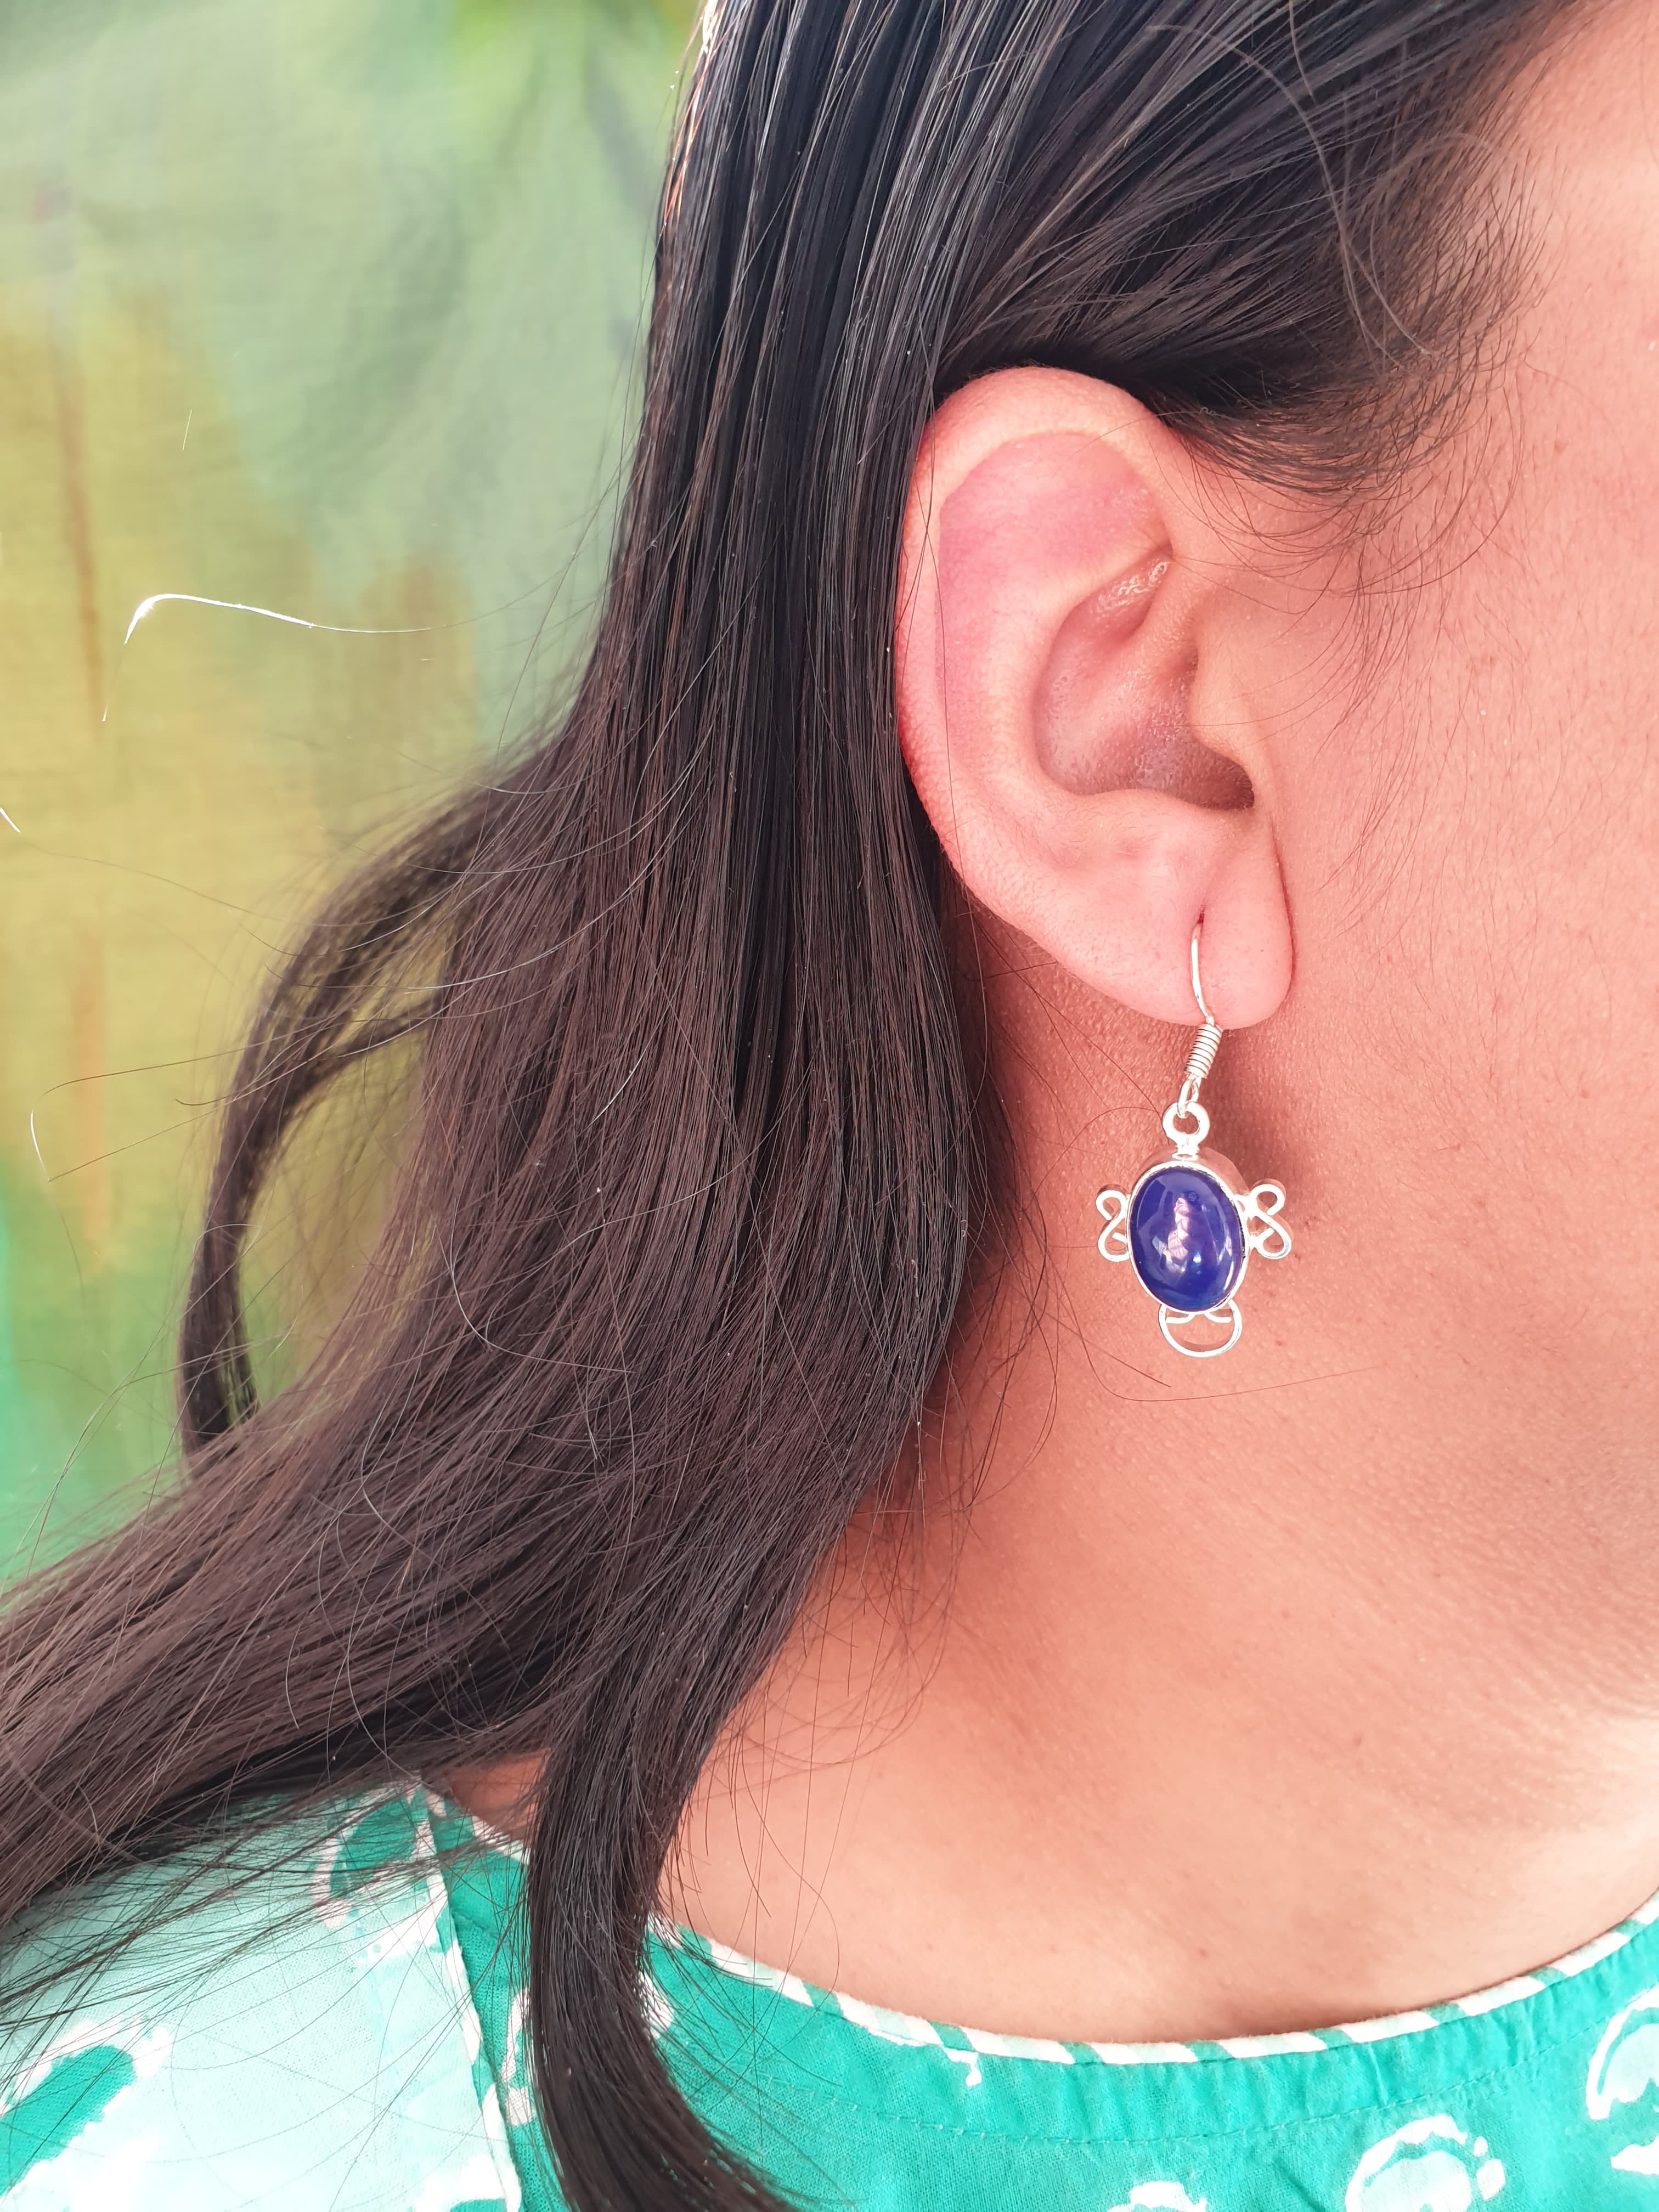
x: 1051, y: 626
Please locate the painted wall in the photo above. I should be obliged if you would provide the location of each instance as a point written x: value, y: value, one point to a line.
x: 330, y: 308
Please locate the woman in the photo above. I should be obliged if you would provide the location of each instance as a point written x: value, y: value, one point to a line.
x: 1142, y: 513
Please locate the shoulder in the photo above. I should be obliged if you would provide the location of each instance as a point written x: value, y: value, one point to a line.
x: 286, y: 2023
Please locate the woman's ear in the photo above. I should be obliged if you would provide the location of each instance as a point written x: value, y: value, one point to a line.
x: 1056, y: 579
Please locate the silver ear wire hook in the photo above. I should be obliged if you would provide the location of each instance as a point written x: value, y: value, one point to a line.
x: 1198, y: 985
x: 1206, y: 1044
x: 1186, y: 1228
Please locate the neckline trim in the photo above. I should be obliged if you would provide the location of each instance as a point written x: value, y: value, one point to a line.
x: 917, y: 2032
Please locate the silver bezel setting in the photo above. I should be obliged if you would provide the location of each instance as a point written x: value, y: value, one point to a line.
x: 1187, y: 1124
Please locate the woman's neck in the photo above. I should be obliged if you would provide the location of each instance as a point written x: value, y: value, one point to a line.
x: 1230, y: 1728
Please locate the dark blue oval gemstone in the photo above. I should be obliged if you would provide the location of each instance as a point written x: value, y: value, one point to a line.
x: 1186, y: 1238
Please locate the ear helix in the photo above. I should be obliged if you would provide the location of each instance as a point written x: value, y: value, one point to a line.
x: 1186, y: 1225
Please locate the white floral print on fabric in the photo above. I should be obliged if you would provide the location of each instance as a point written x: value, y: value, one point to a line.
x: 515, y: 2073
x: 80, y: 2077
x: 288, y: 2046
x: 1161, y: 2197
x: 1624, y: 2071
x: 1428, y: 2166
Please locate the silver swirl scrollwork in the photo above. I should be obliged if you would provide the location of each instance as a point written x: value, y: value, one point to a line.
x: 1268, y: 1234
x: 1113, y: 1207
x: 1225, y: 1317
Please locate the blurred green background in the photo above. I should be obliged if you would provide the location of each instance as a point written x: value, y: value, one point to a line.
x: 330, y: 307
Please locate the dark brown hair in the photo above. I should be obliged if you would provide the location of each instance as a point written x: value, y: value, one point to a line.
x: 696, y: 1167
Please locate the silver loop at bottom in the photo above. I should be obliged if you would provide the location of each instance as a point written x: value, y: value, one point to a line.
x: 1169, y: 1319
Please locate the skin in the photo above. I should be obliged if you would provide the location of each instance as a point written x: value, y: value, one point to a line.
x: 1320, y: 1681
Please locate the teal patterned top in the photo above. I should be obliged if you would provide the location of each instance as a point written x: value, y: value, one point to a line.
x: 344, y: 2033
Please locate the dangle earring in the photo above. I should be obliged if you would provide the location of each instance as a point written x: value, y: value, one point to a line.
x: 1188, y: 1226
